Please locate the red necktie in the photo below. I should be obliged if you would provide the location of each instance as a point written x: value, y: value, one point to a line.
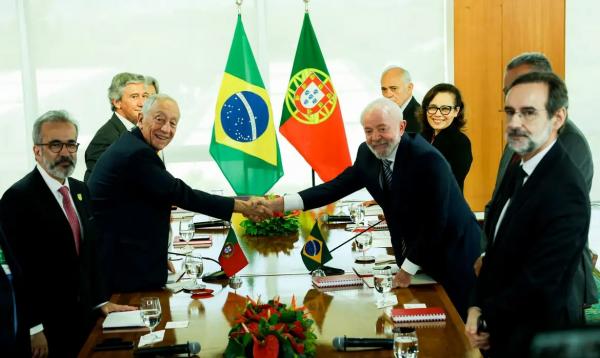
x: 71, y: 216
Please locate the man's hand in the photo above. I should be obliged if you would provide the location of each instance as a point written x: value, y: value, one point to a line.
x: 401, y: 279
x: 275, y: 205
x: 170, y: 266
x: 113, y: 307
x: 39, y: 345
x: 254, y: 209
x: 477, y: 265
x: 479, y: 340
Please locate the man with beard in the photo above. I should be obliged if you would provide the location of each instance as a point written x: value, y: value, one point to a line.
x: 47, y: 221
x: 538, y: 226
x: 431, y: 225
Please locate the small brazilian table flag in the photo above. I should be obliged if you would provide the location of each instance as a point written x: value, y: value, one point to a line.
x: 311, y: 119
x: 232, y: 258
x: 244, y: 142
x: 315, y: 252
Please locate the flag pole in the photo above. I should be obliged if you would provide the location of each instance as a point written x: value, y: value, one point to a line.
x: 313, y: 177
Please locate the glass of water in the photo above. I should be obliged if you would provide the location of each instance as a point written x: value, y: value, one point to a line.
x: 150, y: 311
x: 186, y: 232
x: 364, y: 241
x: 406, y: 343
x: 194, y: 267
x: 382, y: 279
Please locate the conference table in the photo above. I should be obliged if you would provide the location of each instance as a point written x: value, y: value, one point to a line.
x: 276, y: 269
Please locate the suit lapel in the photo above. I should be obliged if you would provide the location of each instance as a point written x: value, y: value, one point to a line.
x: 116, y: 122
x: 533, y: 181
x: 77, y: 195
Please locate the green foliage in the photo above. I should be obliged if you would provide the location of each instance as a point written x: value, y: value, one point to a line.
x: 281, y: 225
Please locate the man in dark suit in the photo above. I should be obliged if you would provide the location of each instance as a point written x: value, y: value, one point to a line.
x: 130, y: 179
x: 126, y: 94
x: 14, y: 332
x: 538, y: 226
x: 47, y: 221
x: 397, y: 85
x: 584, y: 291
x: 431, y: 225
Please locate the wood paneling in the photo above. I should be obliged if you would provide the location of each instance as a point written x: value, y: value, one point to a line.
x: 487, y: 34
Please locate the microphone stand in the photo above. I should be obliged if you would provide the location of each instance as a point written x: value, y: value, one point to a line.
x: 332, y: 271
x: 210, y: 277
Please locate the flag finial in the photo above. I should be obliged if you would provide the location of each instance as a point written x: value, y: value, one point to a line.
x: 306, y: 5
x: 239, y: 5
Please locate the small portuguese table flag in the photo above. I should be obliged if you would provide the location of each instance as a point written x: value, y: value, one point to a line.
x: 311, y: 119
x: 232, y: 258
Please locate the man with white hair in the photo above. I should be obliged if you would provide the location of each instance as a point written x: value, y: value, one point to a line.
x: 396, y: 84
x: 431, y: 225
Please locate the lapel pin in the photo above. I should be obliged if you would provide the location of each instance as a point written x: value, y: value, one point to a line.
x: 79, y: 197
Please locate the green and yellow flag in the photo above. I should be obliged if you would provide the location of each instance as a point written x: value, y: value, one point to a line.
x: 315, y: 252
x: 244, y: 142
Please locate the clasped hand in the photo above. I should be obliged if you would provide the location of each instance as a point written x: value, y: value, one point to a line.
x: 259, y: 208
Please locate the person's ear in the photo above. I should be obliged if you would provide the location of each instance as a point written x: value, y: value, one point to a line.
x: 559, y: 118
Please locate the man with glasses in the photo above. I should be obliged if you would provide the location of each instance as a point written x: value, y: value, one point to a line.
x: 46, y: 219
x: 584, y: 291
x: 537, y: 226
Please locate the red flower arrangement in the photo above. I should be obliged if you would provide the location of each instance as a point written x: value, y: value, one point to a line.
x: 272, y: 330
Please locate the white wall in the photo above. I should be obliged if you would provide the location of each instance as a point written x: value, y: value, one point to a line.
x: 583, y: 75
x: 75, y: 47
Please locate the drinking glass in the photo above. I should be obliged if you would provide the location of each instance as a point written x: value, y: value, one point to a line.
x: 186, y: 232
x: 150, y: 311
x: 357, y: 213
x: 382, y: 279
x: 406, y: 343
x: 194, y: 267
x: 364, y: 242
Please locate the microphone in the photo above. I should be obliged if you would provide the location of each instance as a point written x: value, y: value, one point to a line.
x: 341, y: 343
x: 190, y: 348
x: 336, y: 218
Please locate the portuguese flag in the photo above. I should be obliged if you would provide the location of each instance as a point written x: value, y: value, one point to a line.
x: 244, y: 142
x: 315, y: 252
x: 232, y: 258
x: 311, y: 119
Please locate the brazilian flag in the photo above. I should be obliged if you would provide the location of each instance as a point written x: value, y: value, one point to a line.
x: 244, y: 142
x: 315, y: 252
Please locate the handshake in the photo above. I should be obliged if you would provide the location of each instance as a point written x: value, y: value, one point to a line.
x: 259, y: 208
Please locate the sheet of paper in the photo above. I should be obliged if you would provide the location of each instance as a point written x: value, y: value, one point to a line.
x: 415, y: 305
x: 177, y: 324
x: 123, y: 319
x: 381, y: 239
x: 174, y: 277
x: 391, y: 301
x: 150, y: 338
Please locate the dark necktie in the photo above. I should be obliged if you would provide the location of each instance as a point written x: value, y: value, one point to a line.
x: 387, y: 173
x: 520, y: 176
x: 71, y: 216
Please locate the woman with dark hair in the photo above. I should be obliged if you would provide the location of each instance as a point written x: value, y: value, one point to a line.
x: 442, y: 119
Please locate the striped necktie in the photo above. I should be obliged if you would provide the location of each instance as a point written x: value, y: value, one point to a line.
x: 387, y: 172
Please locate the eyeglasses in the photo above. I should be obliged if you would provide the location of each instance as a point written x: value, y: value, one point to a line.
x: 445, y: 110
x: 57, y: 146
x: 527, y: 114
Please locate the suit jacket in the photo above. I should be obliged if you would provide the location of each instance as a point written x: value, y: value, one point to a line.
x: 104, y: 137
x: 455, y: 146
x: 12, y: 343
x: 425, y: 208
x: 584, y: 289
x: 62, y: 288
x: 132, y: 194
x: 534, y: 256
x: 410, y: 116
